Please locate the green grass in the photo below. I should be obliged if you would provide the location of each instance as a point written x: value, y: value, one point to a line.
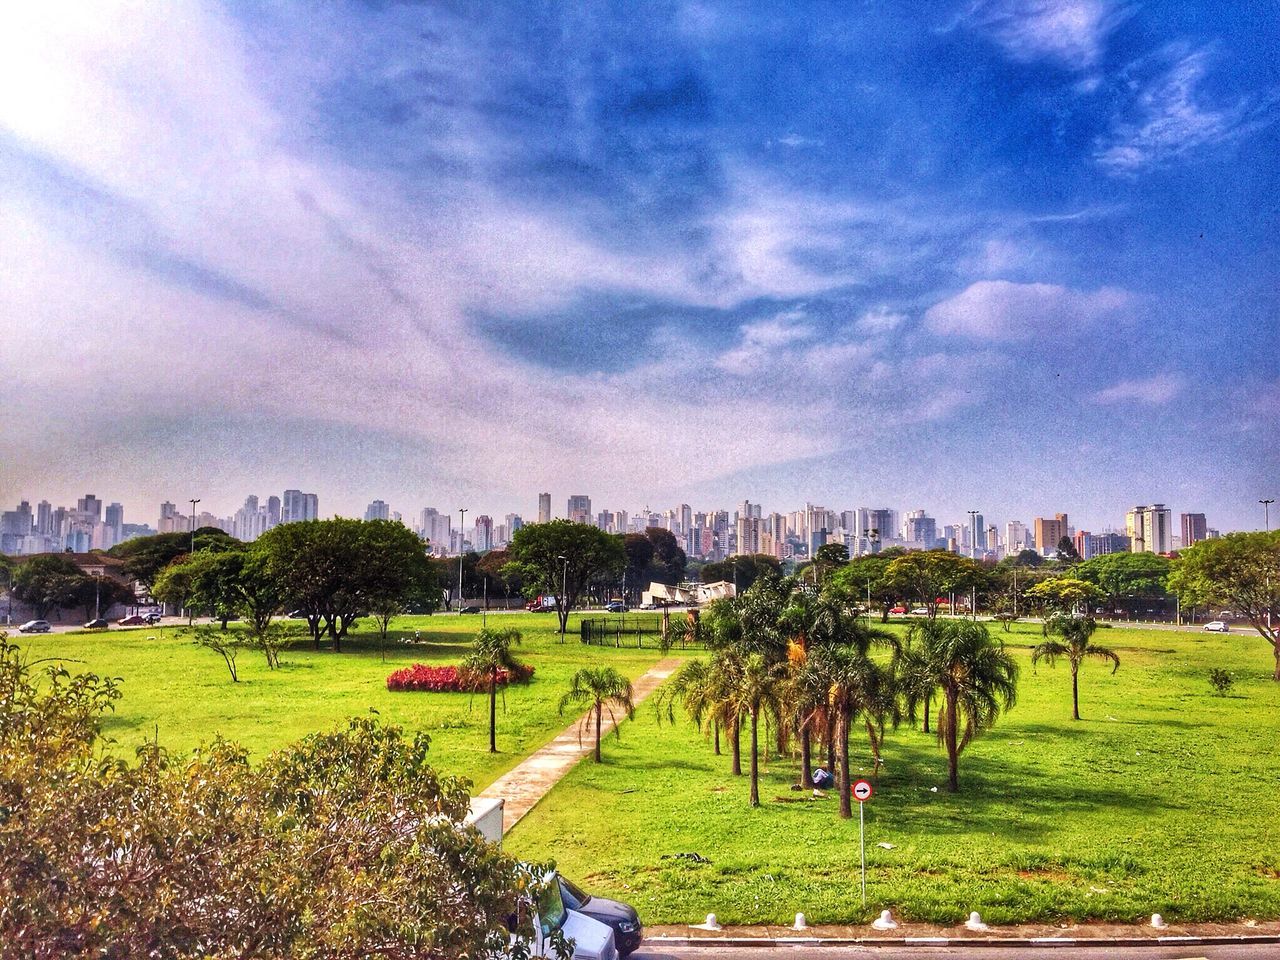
x: 183, y: 694
x: 1165, y: 798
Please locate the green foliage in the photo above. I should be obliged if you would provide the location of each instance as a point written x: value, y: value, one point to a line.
x: 145, y: 557
x: 926, y: 575
x: 1240, y: 570
x: 563, y: 559
x: 744, y: 570
x: 601, y: 688
x: 1122, y: 576
x: 347, y: 844
x: 490, y: 654
x: 227, y: 644
x: 669, y: 559
x: 851, y: 582
x: 1062, y: 594
x: 1075, y: 645
x: 1221, y: 681
x: 47, y: 583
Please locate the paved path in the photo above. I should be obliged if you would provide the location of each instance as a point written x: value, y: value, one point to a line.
x: 526, y: 784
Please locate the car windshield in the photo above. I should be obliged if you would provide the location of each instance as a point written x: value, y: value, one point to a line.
x: 574, y: 897
x: 551, y: 911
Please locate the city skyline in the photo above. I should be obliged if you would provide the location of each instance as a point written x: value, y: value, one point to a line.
x: 1016, y: 257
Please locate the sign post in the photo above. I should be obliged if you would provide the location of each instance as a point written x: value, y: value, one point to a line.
x: 862, y: 793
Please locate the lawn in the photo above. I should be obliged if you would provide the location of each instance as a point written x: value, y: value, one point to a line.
x: 1164, y: 798
x: 184, y: 695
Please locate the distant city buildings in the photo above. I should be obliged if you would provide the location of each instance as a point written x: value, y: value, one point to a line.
x: 1150, y: 529
x: 1049, y: 533
x: 579, y: 510
x: 544, y: 508
x: 377, y: 510
x: 1194, y: 529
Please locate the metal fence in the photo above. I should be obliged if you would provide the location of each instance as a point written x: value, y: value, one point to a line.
x: 635, y: 631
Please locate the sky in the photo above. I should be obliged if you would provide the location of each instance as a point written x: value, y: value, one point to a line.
x: 1019, y: 257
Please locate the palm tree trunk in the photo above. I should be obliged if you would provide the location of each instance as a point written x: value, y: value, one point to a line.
x: 928, y: 699
x: 842, y: 777
x: 736, y: 738
x: 951, y: 729
x: 755, y: 760
x: 599, y: 711
x: 1075, y: 692
x: 806, y: 758
x: 493, y: 711
x: 715, y: 729
x: 875, y: 746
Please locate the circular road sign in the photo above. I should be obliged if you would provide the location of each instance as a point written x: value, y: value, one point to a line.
x: 861, y: 791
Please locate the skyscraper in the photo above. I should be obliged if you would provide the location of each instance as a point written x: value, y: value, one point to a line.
x: 1194, y: 529
x: 544, y: 508
x: 1050, y: 532
x: 580, y: 508
x: 377, y: 510
x: 114, y: 532
x: 484, y: 533
x: 297, y: 505
x: 90, y: 506
x: 1015, y: 537
x: 1150, y: 529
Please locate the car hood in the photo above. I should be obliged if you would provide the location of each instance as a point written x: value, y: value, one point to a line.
x: 608, y: 911
x: 592, y: 940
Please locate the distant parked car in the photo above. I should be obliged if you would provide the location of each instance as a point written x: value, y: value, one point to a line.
x: 919, y: 611
x: 648, y: 606
x: 98, y: 623
x: 1217, y: 626
x: 616, y: 606
x: 898, y: 609
x: 152, y: 618
x: 628, y: 932
x: 297, y: 615
x: 35, y: 626
x: 134, y: 620
x: 470, y: 609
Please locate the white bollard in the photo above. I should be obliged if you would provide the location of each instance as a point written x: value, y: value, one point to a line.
x: 711, y: 924
x: 975, y: 923
x: 801, y: 923
x: 1157, y: 921
x: 885, y: 921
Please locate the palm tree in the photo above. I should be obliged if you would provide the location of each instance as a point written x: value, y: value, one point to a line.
x: 1075, y: 646
x: 758, y: 690
x: 490, y: 656
x: 974, y: 674
x: 601, y: 687
x: 697, y: 687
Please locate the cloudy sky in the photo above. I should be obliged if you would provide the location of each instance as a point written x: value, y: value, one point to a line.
x: 1012, y: 256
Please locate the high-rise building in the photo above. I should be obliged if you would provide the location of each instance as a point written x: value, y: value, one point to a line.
x: 1050, y: 532
x: 90, y: 506
x: 297, y: 506
x: 114, y: 525
x: 1150, y: 529
x: 273, y: 512
x: 921, y: 530
x: 437, y: 530
x: 483, y: 540
x: 1194, y: 529
x: 977, y: 533
x: 580, y: 508
x: 377, y: 510
x: 171, y: 521
x: 44, y: 518
x: 1015, y: 537
x: 544, y: 508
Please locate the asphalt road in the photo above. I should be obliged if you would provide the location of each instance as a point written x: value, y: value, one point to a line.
x: 976, y: 952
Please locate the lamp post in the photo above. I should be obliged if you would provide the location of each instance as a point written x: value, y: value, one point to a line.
x: 1266, y: 513
x: 193, y: 523
x: 97, y: 595
x: 462, y: 519
x: 564, y: 594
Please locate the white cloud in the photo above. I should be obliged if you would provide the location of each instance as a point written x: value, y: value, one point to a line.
x: 1169, y: 117
x: 1155, y: 390
x: 879, y: 320
x: 1001, y: 310
x: 1071, y: 32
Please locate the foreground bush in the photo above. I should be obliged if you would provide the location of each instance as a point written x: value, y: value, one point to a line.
x: 452, y: 679
x: 344, y: 845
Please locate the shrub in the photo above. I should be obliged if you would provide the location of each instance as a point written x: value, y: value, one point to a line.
x: 1221, y: 681
x: 346, y: 844
x: 451, y: 679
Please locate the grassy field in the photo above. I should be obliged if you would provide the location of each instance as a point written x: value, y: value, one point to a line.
x: 1165, y: 798
x: 183, y: 694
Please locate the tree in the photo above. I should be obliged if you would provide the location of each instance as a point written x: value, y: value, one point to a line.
x: 226, y: 644
x: 926, y: 575
x: 830, y: 556
x: 1075, y: 646
x: 96, y: 595
x: 852, y: 581
x: 176, y: 584
x: 1063, y: 594
x: 1066, y: 551
x: 669, y: 559
x: 601, y: 688
x: 345, y: 844
x: 1029, y: 558
x: 46, y: 583
x: 698, y: 687
x: 975, y: 676
x: 1127, y: 577
x: 145, y: 557
x: 758, y: 691
x: 490, y: 569
x: 490, y: 656
x: 639, y: 561
x: 563, y: 558
x: 742, y: 570
x: 1240, y: 571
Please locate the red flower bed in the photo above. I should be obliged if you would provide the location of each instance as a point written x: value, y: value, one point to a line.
x: 449, y: 679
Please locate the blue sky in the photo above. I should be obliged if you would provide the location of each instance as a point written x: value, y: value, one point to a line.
x: 1020, y: 257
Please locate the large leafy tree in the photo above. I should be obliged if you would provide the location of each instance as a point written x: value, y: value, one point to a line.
x: 758, y: 692
x: 1240, y: 571
x: 1127, y: 577
x: 669, y: 559
x: 974, y: 675
x: 698, y: 686
x: 145, y: 557
x: 601, y: 689
x: 1075, y: 644
x: 491, y: 655
x: 926, y: 575
x: 1062, y: 594
x: 46, y: 583
x: 741, y: 569
x: 563, y: 558
x: 869, y: 572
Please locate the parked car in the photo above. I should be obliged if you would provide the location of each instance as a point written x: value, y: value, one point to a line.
x: 98, y: 623
x: 471, y: 608
x: 898, y: 609
x: 35, y: 626
x: 152, y: 618
x: 592, y: 940
x: 628, y: 932
x: 919, y: 611
x: 133, y: 620
x: 616, y: 606
x: 1217, y: 626
x: 648, y: 606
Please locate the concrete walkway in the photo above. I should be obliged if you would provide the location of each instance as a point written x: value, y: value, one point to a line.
x: 526, y: 784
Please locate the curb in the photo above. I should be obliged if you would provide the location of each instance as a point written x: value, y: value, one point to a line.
x: 1227, y: 940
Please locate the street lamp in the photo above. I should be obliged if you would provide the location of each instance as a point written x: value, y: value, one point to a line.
x: 193, y: 523
x: 1266, y: 513
x: 462, y: 519
x: 564, y: 594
